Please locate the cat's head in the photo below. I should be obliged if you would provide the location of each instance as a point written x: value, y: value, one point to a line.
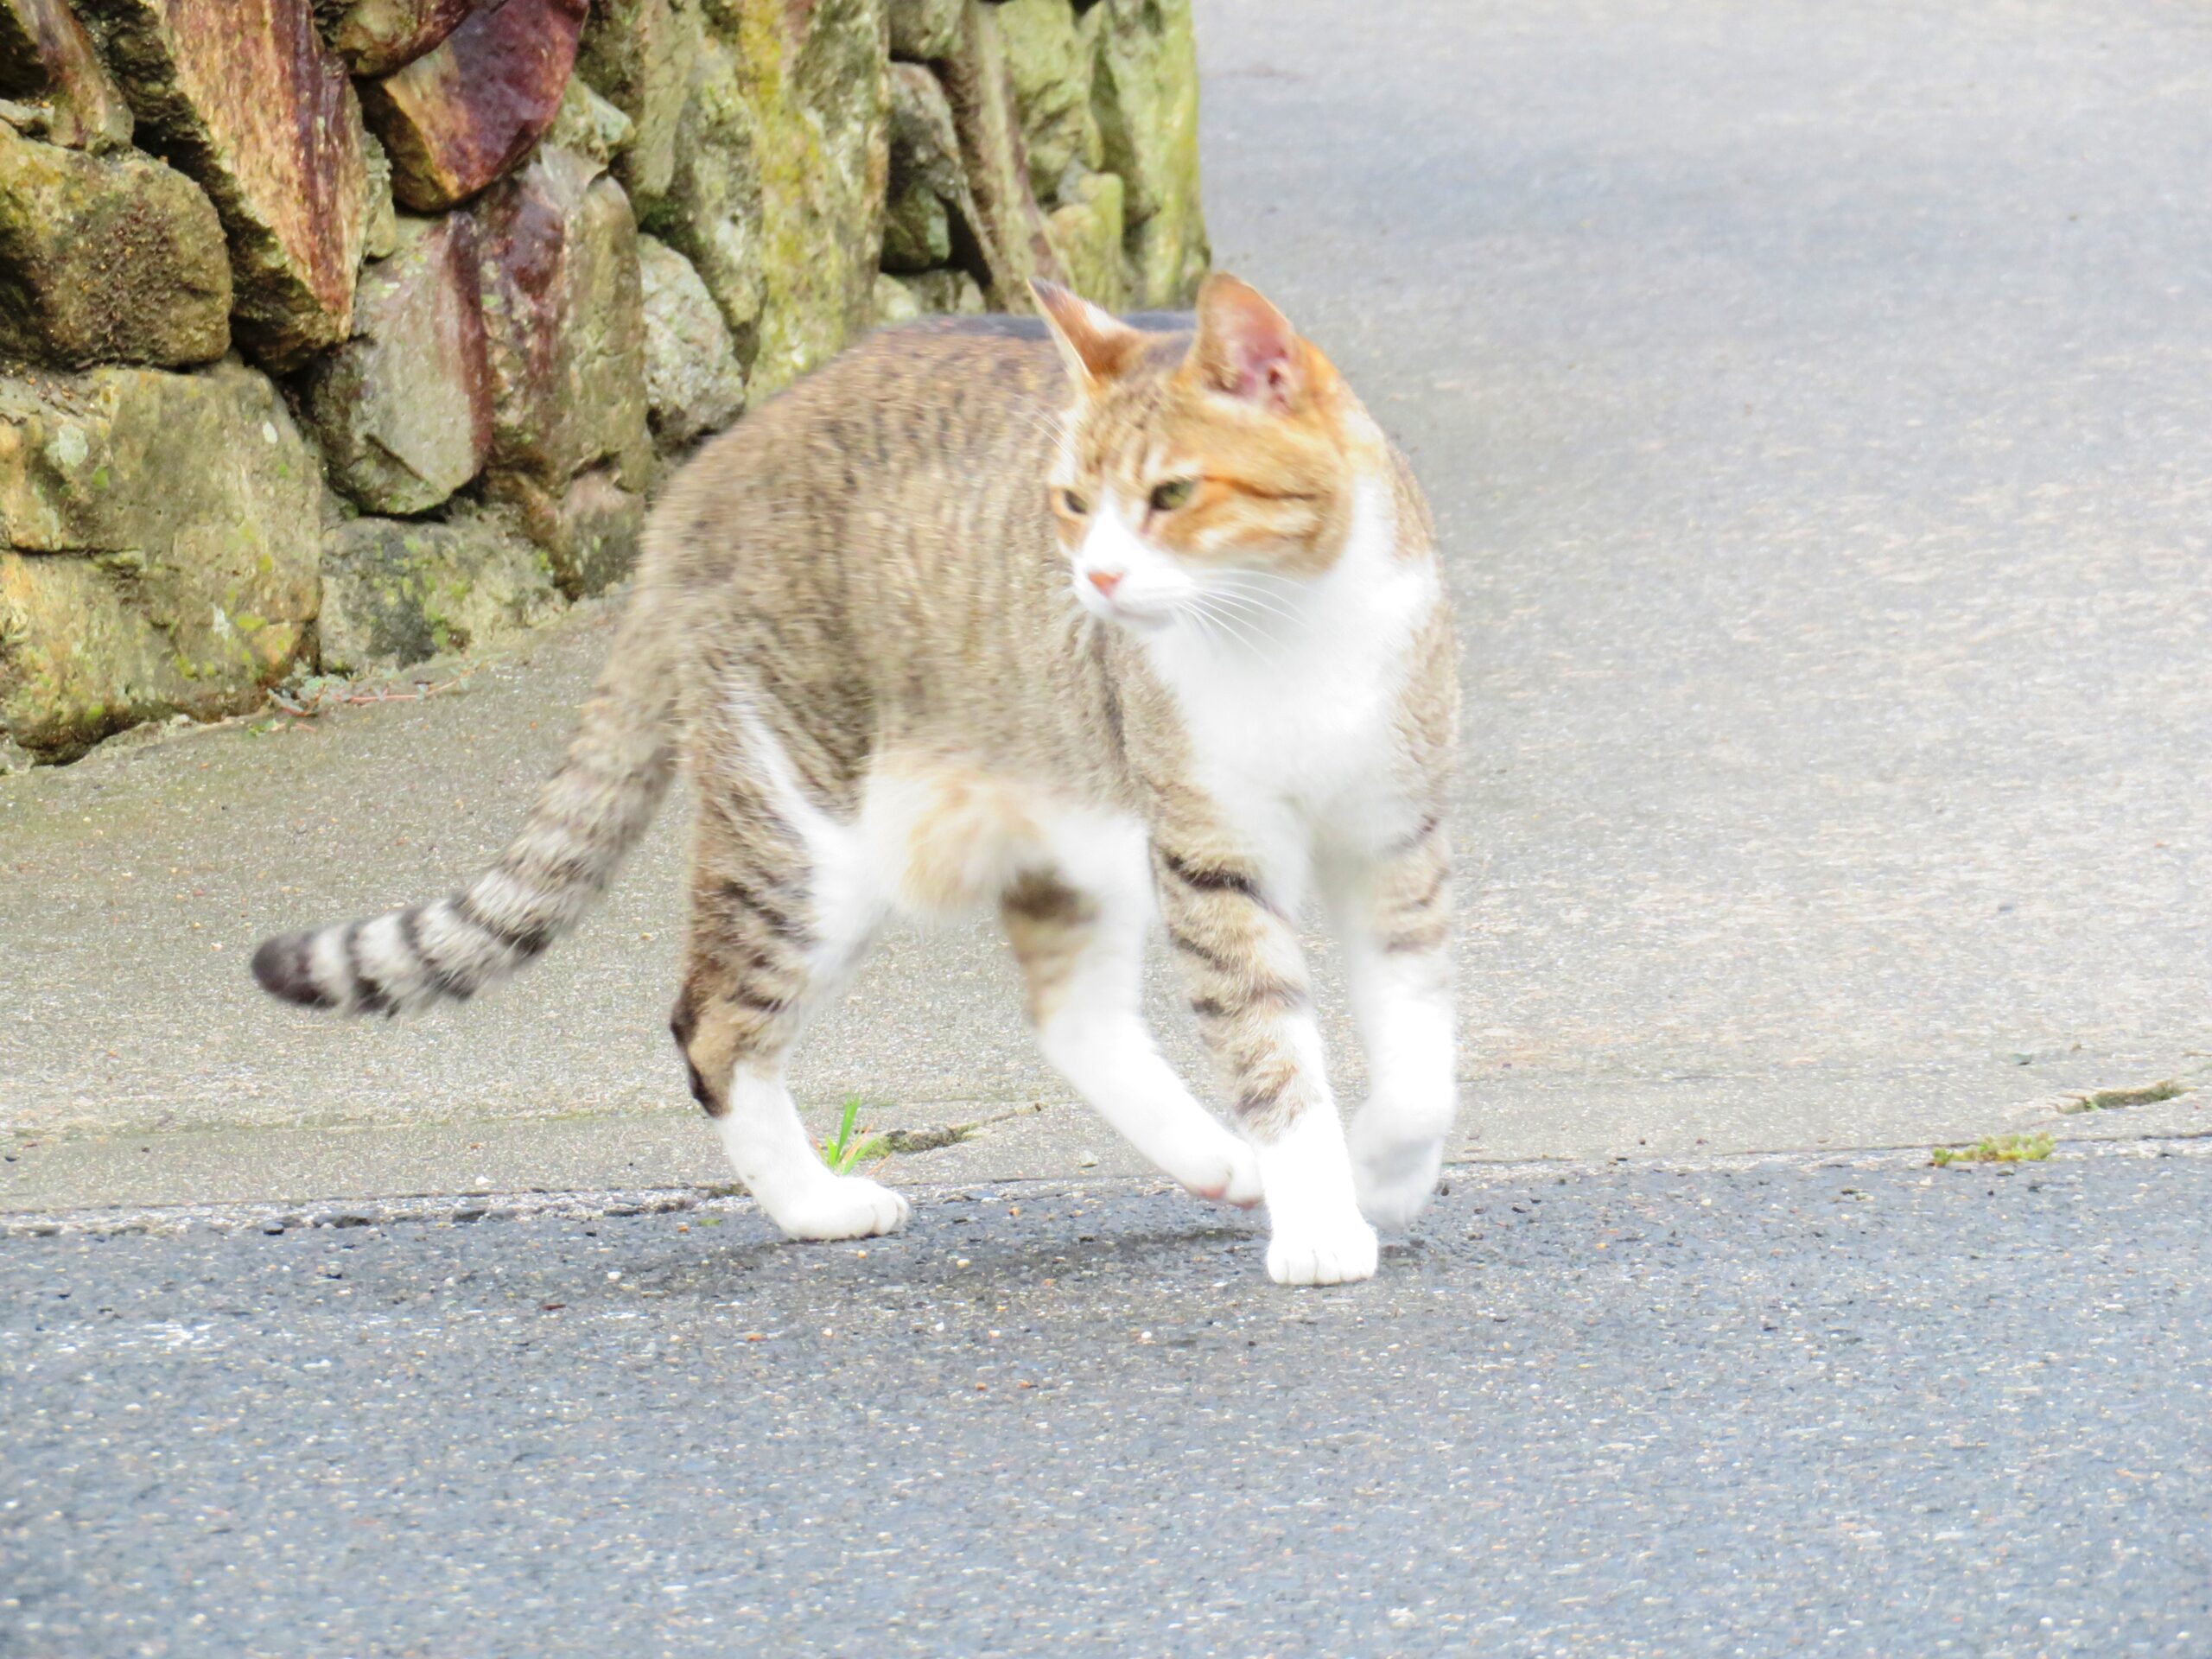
x: 1192, y: 484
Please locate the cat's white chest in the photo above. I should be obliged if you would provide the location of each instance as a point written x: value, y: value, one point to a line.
x: 1305, y: 719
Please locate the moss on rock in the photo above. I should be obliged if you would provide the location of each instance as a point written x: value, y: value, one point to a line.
x: 162, y: 531
x: 397, y: 591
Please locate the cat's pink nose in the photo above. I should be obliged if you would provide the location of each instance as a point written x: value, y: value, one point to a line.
x: 1106, y: 582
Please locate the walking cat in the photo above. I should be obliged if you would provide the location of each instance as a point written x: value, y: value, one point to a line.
x: 1077, y: 618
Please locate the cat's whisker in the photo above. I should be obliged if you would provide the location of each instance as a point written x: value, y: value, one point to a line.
x: 1230, y: 583
x: 1199, y: 605
x: 1251, y: 605
x: 1267, y: 619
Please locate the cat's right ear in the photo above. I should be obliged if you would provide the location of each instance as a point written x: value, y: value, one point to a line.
x: 1095, y: 344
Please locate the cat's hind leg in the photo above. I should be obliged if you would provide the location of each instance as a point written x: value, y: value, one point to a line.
x: 771, y: 928
x: 1082, y: 953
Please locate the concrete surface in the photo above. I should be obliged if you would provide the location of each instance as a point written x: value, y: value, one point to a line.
x: 1816, y: 1408
x: 1813, y: 397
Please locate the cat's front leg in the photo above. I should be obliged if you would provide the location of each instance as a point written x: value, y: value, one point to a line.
x: 1393, y: 915
x: 1247, y: 979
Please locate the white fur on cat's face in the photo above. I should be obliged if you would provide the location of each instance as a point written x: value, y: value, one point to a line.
x: 1119, y: 576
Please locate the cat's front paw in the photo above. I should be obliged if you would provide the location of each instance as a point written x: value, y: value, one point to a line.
x: 1335, y: 1251
x: 1394, y: 1178
x: 845, y: 1206
x: 1225, y: 1170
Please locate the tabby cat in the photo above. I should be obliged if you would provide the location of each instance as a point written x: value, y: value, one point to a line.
x: 1075, y: 617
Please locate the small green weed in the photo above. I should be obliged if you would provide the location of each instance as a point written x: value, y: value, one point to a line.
x: 1997, y: 1149
x: 849, y: 1146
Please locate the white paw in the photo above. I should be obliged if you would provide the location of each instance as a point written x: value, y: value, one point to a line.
x: 1395, y: 1181
x: 843, y: 1206
x: 1225, y: 1169
x: 1337, y: 1251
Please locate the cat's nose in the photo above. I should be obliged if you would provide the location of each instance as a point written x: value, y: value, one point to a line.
x: 1106, y: 581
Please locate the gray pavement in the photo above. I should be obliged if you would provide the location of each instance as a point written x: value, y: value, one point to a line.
x: 1812, y: 398
x: 1839, y: 1408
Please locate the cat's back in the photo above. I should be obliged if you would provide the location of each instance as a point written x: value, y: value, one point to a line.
x: 974, y: 396
x: 942, y: 421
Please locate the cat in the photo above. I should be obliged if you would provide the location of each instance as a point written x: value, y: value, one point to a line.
x: 1091, y: 621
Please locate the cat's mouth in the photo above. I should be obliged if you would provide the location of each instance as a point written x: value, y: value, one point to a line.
x: 1128, y: 613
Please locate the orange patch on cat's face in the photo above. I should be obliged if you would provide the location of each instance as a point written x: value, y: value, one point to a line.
x: 1273, y: 489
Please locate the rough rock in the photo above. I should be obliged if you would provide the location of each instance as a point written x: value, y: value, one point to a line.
x: 693, y: 382
x: 377, y: 36
x: 917, y: 229
x: 925, y: 142
x: 815, y: 81
x: 925, y: 162
x: 1145, y: 91
x: 107, y: 259
x: 710, y: 213
x: 640, y: 55
x: 48, y: 61
x: 379, y: 218
x: 162, y: 531
x: 980, y: 91
x: 564, y: 320
x: 1087, y: 229
x: 895, y: 301
x: 587, y: 125
x: 396, y: 591
x: 243, y: 97
x: 589, y: 530
x: 925, y: 153
x: 925, y: 29
x: 462, y: 114
x: 1049, y: 49
x: 403, y: 409
x: 949, y: 291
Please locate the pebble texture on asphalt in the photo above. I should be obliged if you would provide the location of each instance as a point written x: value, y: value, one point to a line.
x: 1874, y: 1410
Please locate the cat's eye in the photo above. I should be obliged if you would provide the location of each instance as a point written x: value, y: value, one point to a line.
x: 1175, y: 492
x: 1071, y: 504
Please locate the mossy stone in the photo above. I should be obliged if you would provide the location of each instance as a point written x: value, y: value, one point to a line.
x: 162, y: 530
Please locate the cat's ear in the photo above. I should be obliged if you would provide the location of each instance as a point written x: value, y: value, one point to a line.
x: 1245, y: 348
x: 1095, y: 344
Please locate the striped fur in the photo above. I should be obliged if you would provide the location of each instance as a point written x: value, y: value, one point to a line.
x: 588, y: 815
x: 1156, y: 634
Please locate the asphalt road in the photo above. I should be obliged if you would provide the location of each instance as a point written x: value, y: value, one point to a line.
x: 1873, y: 1410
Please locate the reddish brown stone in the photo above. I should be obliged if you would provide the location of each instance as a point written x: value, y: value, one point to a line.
x: 461, y: 114
x: 47, y: 59
x: 377, y: 36
x: 564, y: 320
x: 242, y: 96
x: 404, y: 407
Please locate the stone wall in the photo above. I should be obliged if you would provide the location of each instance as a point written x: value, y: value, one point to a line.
x: 339, y: 334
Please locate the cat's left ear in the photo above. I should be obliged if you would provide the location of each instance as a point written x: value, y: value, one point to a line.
x: 1096, y: 346
x: 1248, y: 350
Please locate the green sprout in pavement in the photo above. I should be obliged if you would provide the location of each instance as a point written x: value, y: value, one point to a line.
x: 849, y: 1146
x: 1997, y: 1149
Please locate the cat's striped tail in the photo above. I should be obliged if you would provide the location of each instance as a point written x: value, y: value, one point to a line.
x: 587, y: 816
